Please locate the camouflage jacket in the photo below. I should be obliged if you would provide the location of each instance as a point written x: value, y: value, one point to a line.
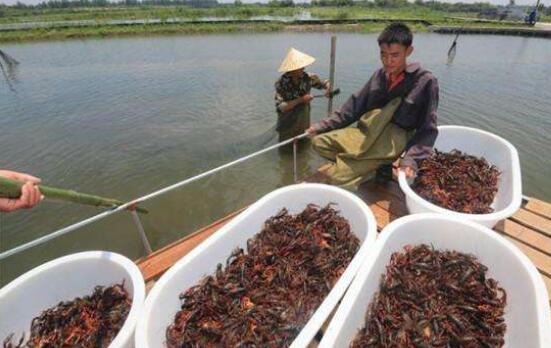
x: 287, y: 90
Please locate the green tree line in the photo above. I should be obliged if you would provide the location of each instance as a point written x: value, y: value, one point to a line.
x: 478, y: 7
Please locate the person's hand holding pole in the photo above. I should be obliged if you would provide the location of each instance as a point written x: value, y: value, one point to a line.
x: 328, y: 92
x: 30, y: 193
x: 311, y: 132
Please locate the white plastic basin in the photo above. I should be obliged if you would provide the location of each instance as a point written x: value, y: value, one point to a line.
x: 64, y: 279
x: 163, y: 303
x: 496, y: 151
x: 527, y: 313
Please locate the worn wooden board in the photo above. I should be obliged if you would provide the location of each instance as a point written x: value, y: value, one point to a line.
x: 547, y: 282
x: 525, y: 235
x: 149, y: 285
x: 540, y: 260
x: 533, y: 221
x: 539, y: 207
x: 158, y: 262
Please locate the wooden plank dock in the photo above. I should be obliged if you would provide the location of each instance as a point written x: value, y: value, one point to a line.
x: 529, y: 229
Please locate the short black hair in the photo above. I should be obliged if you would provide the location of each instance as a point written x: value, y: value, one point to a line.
x: 396, y: 33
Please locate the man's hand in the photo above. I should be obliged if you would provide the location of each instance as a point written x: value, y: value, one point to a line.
x: 328, y: 90
x: 307, y: 98
x: 311, y: 132
x: 290, y: 105
x: 30, y: 194
x: 409, y: 171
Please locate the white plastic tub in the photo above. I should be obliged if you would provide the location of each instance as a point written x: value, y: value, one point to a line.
x: 64, y: 279
x: 527, y: 313
x: 496, y: 151
x: 163, y: 303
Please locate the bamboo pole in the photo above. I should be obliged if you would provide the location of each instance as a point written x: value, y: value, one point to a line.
x: 332, y: 73
x: 10, y: 188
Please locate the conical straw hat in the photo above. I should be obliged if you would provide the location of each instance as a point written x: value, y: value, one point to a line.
x: 294, y: 60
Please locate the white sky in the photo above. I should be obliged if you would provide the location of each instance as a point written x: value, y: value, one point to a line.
x: 502, y: 2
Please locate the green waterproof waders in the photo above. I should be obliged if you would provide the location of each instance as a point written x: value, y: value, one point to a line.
x: 357, y: 152
x: 294, y: 122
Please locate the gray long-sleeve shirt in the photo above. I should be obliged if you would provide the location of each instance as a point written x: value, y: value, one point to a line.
x: 419, y: 90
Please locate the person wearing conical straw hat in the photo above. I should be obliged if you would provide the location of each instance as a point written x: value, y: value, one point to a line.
x: 292, y: 96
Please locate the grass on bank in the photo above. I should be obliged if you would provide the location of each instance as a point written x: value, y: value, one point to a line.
x: 186, y: 29
x: 148, y: 29
x: 19, y: 15
x: 14, y: 15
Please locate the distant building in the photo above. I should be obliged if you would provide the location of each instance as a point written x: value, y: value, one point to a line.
x: 201, y: 3
x: 510, y: 12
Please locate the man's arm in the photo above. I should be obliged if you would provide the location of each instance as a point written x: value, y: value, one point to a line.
x: 318, y: 83
x: 286, y: 106
x: 349, y: 112
x: 420, y: 145
x: 283, y: 105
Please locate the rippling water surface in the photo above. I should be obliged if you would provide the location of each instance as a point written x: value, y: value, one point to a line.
x: 125, y: 117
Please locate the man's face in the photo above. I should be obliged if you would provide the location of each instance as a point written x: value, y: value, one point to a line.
x: 394, y: 57
x: 297, y: 73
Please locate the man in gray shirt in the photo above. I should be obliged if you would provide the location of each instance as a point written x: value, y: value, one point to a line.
x: 396, y: 114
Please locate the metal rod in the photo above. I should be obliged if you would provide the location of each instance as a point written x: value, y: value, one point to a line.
x: 217, y: 169
x: 56, y: 234
x: 143, y: 236
x: 133, y: 203
x: 332, y: 72
x: 295, y: 174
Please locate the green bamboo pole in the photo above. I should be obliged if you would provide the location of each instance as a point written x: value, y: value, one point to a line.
x: 10, y: 188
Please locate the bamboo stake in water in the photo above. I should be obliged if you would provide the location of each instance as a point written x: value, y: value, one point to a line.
x: 332, y: 73
x: 10, y: 188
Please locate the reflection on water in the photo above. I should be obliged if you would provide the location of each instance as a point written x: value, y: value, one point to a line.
x: 125, y: 117
x: 8, y: 68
